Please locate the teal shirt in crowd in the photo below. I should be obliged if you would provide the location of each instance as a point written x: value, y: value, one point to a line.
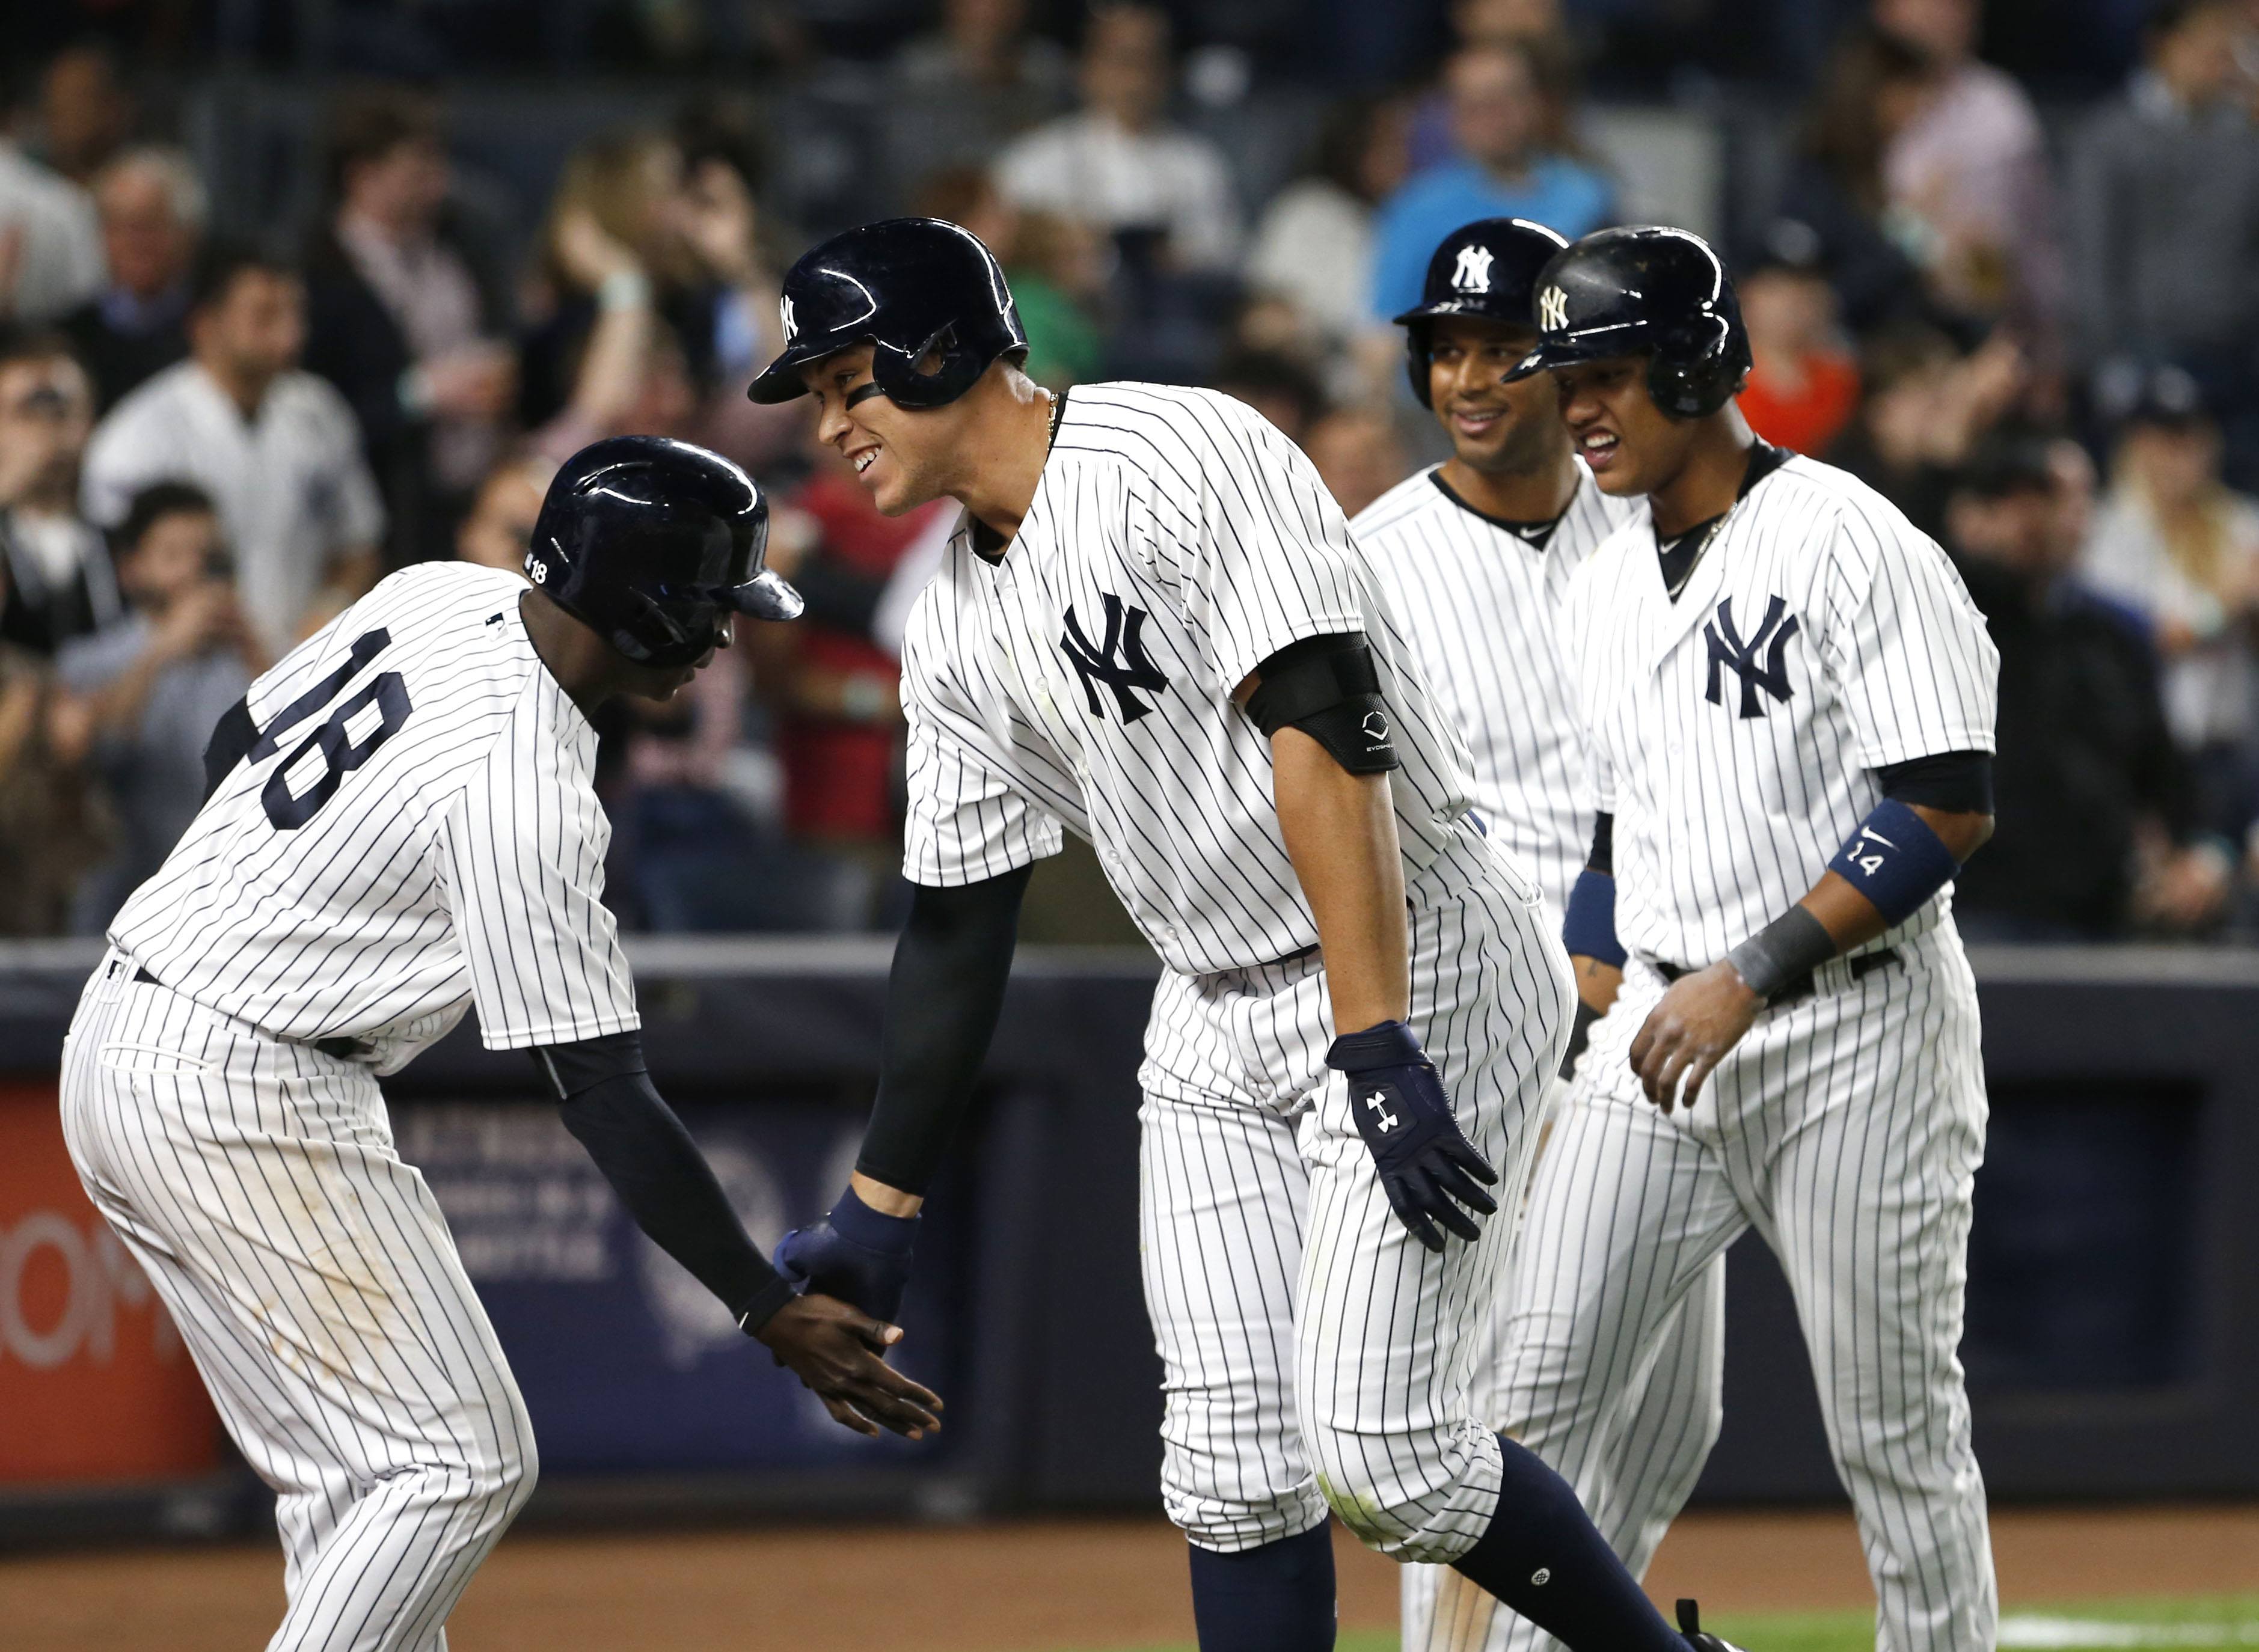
x: 1565, y: 194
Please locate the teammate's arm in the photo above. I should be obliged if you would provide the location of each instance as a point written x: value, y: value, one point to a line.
x: 1589, y: 932
x: 943, y: 996
x: 1317, y: 702
x: 1936, y: 812
x: 607, y: 1099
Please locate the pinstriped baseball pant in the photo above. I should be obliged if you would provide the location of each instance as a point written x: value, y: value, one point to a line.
x: 1846, y: 1129
x: 315, y: 1282
x: 1314, y: 1355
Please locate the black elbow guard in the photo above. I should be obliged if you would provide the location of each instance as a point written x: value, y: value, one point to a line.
x: 1327, y: 687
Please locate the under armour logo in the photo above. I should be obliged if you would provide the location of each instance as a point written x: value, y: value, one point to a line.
x: 784, y: 314
x: 1125, y: 642
x: 1384, y: 1121
x: 1726, y: 648
x: 1552, y: 310
x: 1472, y: 274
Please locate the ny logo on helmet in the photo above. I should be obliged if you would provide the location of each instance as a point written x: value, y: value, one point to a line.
x: 1727, y: 648
x: 1552, y: 310
x: 1125, y: 640
x: 1473, y: 274
x: 784, y: 314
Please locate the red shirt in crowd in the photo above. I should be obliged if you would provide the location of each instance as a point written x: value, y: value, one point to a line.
x: 1809, y: 418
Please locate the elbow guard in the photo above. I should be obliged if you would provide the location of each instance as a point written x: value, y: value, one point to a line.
x: 1327, y: 686
x: 1895, y: 860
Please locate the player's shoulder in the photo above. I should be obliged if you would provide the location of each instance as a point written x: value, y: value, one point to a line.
x: 1405, y: 506
x: 1829, y: 497
x: 1168, y: 426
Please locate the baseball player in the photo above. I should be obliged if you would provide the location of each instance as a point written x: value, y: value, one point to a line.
x: 1152, y: 629
x: 1788, y: 702
x: 403, y: 823
x: 1475, y: 557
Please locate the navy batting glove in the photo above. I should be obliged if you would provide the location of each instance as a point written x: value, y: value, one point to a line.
x: 856, y: 1254
x: 1425, y: 1163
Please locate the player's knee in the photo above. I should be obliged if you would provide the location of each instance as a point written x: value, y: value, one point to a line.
x: 1396, y: 1494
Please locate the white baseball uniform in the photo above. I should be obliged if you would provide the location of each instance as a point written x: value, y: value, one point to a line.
x: 1733, y: 733
x: 1315, y: 1355
x: 1481, y: 603
x: 415, y: 830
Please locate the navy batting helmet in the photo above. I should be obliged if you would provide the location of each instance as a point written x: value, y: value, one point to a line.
x: 1486, y: 270
x: 1659, y: 292
x: 913, y: 288
x: 653, y: 543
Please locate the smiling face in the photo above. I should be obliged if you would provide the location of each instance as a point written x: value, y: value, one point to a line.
x: 1633, y: 445
x: 1497, y: 428
x: 898, y: 454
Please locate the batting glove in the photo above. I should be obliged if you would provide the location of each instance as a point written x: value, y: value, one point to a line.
x: 855, y: 1254
x: 1406, y: 1119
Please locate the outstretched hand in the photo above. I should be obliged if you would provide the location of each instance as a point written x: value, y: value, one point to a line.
x: 837, y: 1352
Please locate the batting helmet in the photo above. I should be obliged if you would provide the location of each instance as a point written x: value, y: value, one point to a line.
x: 1486, y: 270
x: 912, y: 287
x: 1659, y: 292
x: 653, y: 543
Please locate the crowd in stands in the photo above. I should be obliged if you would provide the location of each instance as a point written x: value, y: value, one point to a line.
x: 2032, y: 325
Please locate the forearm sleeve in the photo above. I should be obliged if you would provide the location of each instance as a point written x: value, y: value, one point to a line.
x: 608, y: 1101
x: 943, y: 999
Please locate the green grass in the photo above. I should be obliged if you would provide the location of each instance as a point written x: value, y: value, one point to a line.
x: 2116, y: 1626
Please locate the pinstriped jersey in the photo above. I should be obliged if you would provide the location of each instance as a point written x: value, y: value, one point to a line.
x: 415, y: 828
x: 1735, y: 733
x: 1083, y: 679
x: 1481, y: 607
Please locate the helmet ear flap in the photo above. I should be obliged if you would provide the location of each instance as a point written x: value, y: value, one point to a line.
x: 905, y: 386
x: 1419, y: 356
x: 1690, y: 376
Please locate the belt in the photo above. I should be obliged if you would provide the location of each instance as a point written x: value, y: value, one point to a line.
x: 1804, y: 986
x: 340, y: 1049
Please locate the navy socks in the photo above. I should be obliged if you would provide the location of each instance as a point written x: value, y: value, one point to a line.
x: 1542, y: 1558
x: 1278, y: 1597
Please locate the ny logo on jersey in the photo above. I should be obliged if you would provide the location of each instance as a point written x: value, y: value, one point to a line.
x: 1120, y: 662
x: 784, y: 314
x: 1473, y: 274
x: 1552, y: 310
x: 1726, y: 648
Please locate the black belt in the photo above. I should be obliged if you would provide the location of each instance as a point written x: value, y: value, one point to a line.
x: 1803, y: 986
x: 341, y: 1048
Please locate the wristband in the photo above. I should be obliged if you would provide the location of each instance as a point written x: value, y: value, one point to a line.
x: 857, y: 1223
x: 1793, y: 944
x: 1895, y: 860
x: 1589, y: 927
x: 1386, y: 1044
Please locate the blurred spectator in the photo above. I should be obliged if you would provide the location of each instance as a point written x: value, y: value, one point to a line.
x: 1498, y: 116
x: 152, y: 208
x: 1537, y: 26
x: 1967, y: 179
x: 498, y: 530
x: 398, y: 318
x: 275, y: 447
x: 1313, y: 246
x: 1052, y: 264
x: 2175, y: 543
x: 962, y: 92
x: 1926, y: 407
x: 1357, y: 454
x: 1118, y: 163
x: 2082, y: 732
x: 59, y: 582
x: 86, y: 113
x: 1276, y: 385
x: 2165, y: 199
x: 47, y: 835
x: 1873, y: 87
x: 141, y: 696
x: 50, y: 245
x: 1805, y: 386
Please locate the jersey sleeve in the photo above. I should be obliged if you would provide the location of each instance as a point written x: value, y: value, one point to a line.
x: 968, y: 821
x: 1916, y: 669
x: 523, y: 861
x: 1263, y: 551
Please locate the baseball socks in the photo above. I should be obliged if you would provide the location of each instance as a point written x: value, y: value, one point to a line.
x: 1542, y: 1558
x: 1277, y: 1598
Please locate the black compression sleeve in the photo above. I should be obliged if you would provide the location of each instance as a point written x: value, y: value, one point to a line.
x: 1603, y: 857
x: 1960, y: 782
x: 608, y: 1101
x: 943, y: 999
